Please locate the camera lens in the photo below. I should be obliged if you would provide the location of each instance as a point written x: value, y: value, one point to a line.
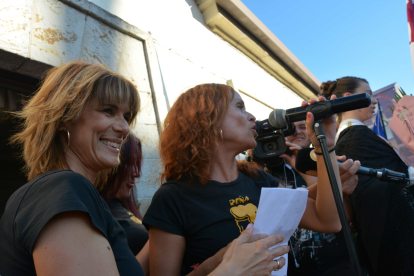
x: 269, y: 147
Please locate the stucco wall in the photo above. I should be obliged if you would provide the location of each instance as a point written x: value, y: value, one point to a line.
x: 191, y: 54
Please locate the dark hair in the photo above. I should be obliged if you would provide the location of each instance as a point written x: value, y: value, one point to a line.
x: 131, y: 156
x: 340, y: 86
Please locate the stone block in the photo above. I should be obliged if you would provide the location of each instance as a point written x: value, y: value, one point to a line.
x: 148, y: 134
x: 15, y: 24
x: 83, y: 5
x: 147, y: 113
x: 133, y: 64
x: 101, y: 44
x: 148, y: 183
x: 57, y: 32
x: 110, y: 19
x: 143, y: 205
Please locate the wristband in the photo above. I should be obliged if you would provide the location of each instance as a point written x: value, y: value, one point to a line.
x: 320, y: 153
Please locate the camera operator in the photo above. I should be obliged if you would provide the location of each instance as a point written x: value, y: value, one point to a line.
x: 285, y: 172
x: 313, y: 253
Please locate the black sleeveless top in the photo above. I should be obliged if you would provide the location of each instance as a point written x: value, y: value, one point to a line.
x: 383, y: 211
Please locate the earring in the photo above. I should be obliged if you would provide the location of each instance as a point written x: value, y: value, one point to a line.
x: 68, y: 140
x: 359, y: 110
x: 221, y: 133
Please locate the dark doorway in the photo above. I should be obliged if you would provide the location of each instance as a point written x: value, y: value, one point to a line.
x: 14, y: 88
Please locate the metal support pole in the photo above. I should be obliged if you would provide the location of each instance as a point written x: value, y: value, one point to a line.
x: 320, y: 135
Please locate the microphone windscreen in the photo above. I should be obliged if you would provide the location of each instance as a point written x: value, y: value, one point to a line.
x: 306, y: 162
x: 277, y: 118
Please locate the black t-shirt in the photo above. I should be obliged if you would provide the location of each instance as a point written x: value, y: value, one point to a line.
x: 136, y: 233
x: 287, y: 176
x: 209, y: 216
x: 314, y: 253
x: 32, y: 206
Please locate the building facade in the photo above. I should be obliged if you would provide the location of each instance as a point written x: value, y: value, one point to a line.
x: 163, y: 46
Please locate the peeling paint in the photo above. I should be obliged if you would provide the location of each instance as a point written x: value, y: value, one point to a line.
x: 103, y: 36
x: 54, y: 35
x: 50, y: 51
x: 38, y: 18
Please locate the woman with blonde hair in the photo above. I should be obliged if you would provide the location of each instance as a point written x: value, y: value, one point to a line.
x: 71, y: 133
x: 208, y: 198
x: 57, y: 223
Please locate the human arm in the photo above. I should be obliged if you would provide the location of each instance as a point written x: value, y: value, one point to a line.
x: 349, y: 179
x: 69, y: 244
x: 312, y: 191
x: 167, y: 251
x: 348, y: 171
x: 143, y: 258
x: 259, y: 261
x: 320, y: 214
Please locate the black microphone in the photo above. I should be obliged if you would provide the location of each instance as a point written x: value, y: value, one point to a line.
x: 278, y: 118
x: 306, y: 163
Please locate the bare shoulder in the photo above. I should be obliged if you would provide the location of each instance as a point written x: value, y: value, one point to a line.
x: 69, y: 244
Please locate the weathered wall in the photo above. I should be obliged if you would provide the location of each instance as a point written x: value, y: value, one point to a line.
x: 191, y: 54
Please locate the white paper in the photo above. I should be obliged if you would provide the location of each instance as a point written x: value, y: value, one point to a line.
x: 279, y: 212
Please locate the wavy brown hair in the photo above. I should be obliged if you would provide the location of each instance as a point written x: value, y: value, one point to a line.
x: 192, y: 132
x: 339, y: 87
x: 131, y: 157
x: 63, y: 93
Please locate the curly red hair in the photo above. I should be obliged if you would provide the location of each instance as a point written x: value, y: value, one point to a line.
x: 192, y: 132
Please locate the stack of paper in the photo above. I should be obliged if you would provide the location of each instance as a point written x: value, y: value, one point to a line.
x: 279, y: 212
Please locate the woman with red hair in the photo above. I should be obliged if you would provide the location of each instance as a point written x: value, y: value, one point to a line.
x: 118, y: 193
x: 208, y: 198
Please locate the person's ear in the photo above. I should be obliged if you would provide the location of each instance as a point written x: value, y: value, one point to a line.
x: 347, y: 94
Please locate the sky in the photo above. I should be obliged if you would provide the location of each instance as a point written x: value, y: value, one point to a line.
x: 333, y: 39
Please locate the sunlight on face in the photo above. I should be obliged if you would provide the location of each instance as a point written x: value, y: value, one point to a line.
x: 97, y: 135
x: 238, y: 126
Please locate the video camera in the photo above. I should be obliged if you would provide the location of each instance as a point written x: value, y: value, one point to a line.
x: 271, y: 142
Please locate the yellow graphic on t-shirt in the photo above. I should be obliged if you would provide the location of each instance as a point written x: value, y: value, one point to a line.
x: 244, y: 214
x: 238, y: 200
x: 134, y: 218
